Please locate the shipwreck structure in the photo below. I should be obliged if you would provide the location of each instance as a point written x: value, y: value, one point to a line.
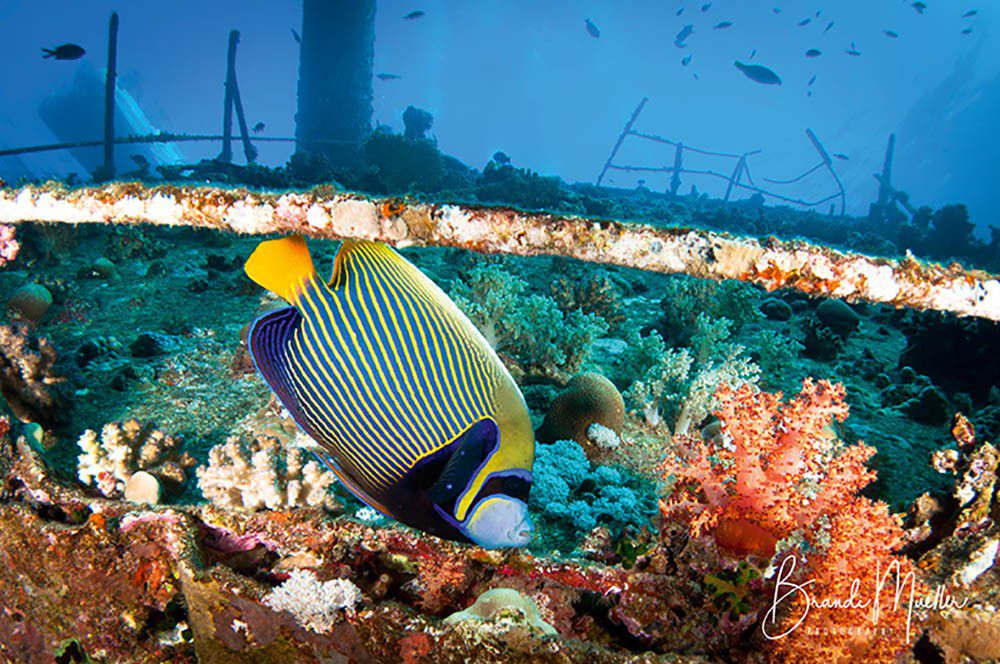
x: 335, y: 79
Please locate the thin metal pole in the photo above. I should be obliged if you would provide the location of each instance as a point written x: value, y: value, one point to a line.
x: 108, y: 170
x: 621, y: 139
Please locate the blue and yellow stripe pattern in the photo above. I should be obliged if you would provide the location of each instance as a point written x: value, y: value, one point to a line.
x: 390, y: 378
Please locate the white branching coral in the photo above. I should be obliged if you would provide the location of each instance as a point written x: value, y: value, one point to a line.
x: 678, y: 391
x: 124, y: 448
x: 316, y: 605
x: 262, y: 474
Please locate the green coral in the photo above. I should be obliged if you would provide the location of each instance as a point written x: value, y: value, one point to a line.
x: 686, y: 298
x: 530, y: 330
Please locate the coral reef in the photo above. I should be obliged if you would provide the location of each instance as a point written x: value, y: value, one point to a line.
x: 9, y: 245
x: 262, y: 473
x: 678, y: 391
x: 594, y: 294
x: 541, y: 341
x: 316, y: 605
x: 588, y: 399
x: 30, y: 302
x: 499, y: 604
x: 111, y: 459
x: 572, y: 497
x: 37, y: 385
x: 787, y: 468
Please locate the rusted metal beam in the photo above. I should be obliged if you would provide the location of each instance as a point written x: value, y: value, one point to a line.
x: 327, y: 213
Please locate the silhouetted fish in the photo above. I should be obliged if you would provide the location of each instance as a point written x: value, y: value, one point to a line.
x: 841, y: 155
x: 382, y: 76
x: 296, y: 36
x: 753, y: 54
x: 814, y: 53
x: 920, y: 7
x: 412, y: 407
x: 501, y: 157
x: 679, y: 12
x: 805, y: 21
x: 723, y: 25
x: 827, y: 28
x: 592, y: 29
x: 758, y: 73
x: 259, y: 127
x: 685, y: 32
x: 64, y: 52
x: 686, y: 60
x: 970, y: 13
x: 705, y: 7
x: 776, y: 10
x: 812, y: 80
x: 140, y: 161
x: 414, y: 15
x: 967, y: 31
x: 891, y: 34
x: 853, y: 50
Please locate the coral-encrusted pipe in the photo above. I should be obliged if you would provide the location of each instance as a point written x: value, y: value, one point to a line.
x: 326, y: 213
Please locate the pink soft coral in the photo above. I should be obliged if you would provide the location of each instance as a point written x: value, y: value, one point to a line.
x: 8, y: 245
x: 773, y: 469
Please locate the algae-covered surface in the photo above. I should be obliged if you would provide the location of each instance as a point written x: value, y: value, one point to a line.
x: 149, y: 325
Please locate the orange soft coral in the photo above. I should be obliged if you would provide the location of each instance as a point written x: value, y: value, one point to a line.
x: 856, y: 606
x: 774, y: 468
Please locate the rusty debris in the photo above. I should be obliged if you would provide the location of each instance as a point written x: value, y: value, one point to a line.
x: 325, y: 212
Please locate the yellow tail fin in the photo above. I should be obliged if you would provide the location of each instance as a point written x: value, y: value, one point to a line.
x: 281, y: 265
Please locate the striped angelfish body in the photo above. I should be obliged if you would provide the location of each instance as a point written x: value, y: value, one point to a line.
x: 417, y: 414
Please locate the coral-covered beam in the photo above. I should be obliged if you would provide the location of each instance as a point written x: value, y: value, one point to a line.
x: 326, y: 213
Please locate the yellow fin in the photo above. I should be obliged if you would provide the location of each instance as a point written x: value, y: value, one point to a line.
x: 281, y: 265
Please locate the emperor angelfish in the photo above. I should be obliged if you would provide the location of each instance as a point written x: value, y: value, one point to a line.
x: 415, y: 412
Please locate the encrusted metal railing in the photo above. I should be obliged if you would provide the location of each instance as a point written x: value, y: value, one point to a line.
x: 327, y: 213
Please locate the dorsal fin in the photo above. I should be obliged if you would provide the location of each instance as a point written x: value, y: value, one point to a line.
x: 281, y: 265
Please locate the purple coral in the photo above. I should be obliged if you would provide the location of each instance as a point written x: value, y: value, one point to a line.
x: 8, y: 245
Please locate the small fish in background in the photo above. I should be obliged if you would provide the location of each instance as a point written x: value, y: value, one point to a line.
x: 259, y: 127
x: 501, y: 157
x: 686, y: 60
x: 679, y: 12
x: 967, y: 31
x: 705, y: 7
x: 812, y: 80
x: 414, y: 15
x: 682, y: 36
x: 814, y: 53
x: 723, y: 25
x: 970, y: 13
x: 828, y: 27
x: 776, y: 10
x: 383, y: 76
x: 365, y: 363
x: 920, y: 7
x: 805, y: 21
x: 841, y: 156
x: 853, y: 50
x: 891, y: 34
x: 64, y: 52
x: 696, y: 77
x: 818, y: 12
x: 809, y: 93
x: 140, y: 161
x: 758, y: 73
x: 753, y: 54
x: 296, y: 37
x: 592, y: 29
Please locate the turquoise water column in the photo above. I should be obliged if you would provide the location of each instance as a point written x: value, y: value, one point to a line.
x: 335, y: 79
